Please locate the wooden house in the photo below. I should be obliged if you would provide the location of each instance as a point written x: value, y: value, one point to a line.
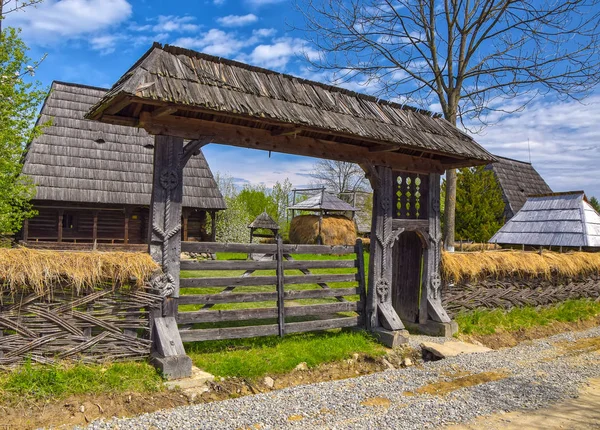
x: 517, y: 179
x: 553, y: 220
x: 94, y: 180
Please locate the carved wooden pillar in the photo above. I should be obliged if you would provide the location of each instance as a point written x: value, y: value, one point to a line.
x: 379, y: 300
x: 431, y: 299
x: 60, y: 225
x: 165, y: 212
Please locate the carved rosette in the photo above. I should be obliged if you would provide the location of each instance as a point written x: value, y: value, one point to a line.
x: 169, y: 179
x: 382, y: 287
x: 163, y: 284
x: 435, y: 287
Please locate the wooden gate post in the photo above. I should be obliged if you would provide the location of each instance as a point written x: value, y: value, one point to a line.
x: 168, y: 353
x: 280, y: 287
x: 433, y: 319
x: 381, y: 316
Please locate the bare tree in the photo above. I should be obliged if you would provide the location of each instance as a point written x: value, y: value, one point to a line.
x: 339, y: 176
x: 468, y: 56
x: 9, y: 6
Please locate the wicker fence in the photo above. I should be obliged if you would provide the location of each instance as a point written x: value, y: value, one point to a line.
x: 102, y: 325
x: 515, y: 292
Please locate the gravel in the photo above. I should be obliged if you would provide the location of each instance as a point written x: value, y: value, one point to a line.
x: 540, y: 373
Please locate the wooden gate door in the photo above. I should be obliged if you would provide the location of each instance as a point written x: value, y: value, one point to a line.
x: 406, y: 278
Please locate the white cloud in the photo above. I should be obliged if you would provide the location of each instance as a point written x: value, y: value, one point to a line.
x: 278, y: 54
x: 219, y: 42
x: 106, y: 44
x: 218, y: 2
x: 563, y: 136
x: 237, y: 20
x: 170, y: 23
x: 54, y: 19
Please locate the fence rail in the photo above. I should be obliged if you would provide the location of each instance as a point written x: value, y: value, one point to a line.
x: 281, y: 313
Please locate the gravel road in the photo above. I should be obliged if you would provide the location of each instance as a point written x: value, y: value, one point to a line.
x: 538, y: 373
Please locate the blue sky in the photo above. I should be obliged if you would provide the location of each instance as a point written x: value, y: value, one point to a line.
x: 95, y: 41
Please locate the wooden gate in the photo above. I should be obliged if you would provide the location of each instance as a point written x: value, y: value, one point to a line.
x: 274, y: 296
x: 406, y: 279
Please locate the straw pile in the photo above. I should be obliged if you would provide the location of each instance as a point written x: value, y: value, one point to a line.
x: 41, y: 271
x: 470, y: 266
x: 335, y: 230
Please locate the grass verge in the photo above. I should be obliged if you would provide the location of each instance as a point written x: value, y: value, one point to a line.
x: 484, y: 322
x: 44, y: 382
x: 251, y: 358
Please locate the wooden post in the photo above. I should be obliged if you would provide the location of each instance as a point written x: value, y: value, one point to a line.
x: 432, y: 281
x: 168, y: 353
x: 95, y: 227
x: 60, y: 225
x: 25, y: 230
x: 360, y: 271
x: 186, y: 215
x: 213, y: 226
x: 379, y: 295
x: 126, y: 227
x: 280, y: 288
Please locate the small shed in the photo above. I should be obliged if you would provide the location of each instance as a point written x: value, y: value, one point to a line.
x: 263, y: 222
x: 517, y: 179
x: 322, y: 202
x: 554, y: 219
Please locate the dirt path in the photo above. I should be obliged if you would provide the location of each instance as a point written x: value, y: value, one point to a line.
x: 574, y: 414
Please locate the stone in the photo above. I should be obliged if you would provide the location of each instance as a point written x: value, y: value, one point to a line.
x: 269, y: 382
x: 452, y: 349
x: 301, y: 366
x: 391, y: 339
x: 355, y: 356
x: 173, y: 367
x: 388, y: 364
x: 196, y: 382
x: 434, y: 328
x: 407, y: 362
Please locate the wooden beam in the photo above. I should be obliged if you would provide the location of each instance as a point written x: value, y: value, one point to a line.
x: 163, y: 111
x: 193, y: 148
x: 118, y: 106
x: 384, y: 148
x: 285, y: 131
x: 25, y: 230
x: 120, y: 120
x: 60, y: 225
x: 95, y: 227
x: 246, y: 137
x: 213, y: 226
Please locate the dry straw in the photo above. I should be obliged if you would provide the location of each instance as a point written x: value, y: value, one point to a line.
x: 23, y: 269
x: 466, y: 266
x: 335, y: 230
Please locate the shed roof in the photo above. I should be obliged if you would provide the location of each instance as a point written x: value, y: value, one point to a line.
x: 556, y: 219
x: 323, y: 202
x: 78, y: 160
x: 517, y: 180
x: 204, y: 87
x: 265, y: 221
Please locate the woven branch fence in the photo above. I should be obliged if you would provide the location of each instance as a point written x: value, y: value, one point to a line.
x: 516, y: 292
x: 103, y: 325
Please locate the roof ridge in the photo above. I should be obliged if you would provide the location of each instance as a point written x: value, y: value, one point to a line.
x: 177, y: 50
x: 513, y: 159
x: 72, y: 84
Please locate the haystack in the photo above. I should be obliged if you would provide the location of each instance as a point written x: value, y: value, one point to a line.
x: 335, y: 230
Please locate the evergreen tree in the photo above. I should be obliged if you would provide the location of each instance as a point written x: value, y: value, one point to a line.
x: 595, y: 204
x: 479, y: 204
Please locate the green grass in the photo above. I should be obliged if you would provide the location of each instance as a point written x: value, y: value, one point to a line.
x: 492, y: 321
x: 41, y: 382
x: 251, y: 358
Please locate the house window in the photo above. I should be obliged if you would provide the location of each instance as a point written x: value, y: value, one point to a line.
x: 410, y: 196
x: 69, y: 221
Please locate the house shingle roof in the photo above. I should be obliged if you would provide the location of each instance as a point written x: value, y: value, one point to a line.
x: 78, y: 160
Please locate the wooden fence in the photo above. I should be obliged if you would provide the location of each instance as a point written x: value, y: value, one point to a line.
x: 296, y: 298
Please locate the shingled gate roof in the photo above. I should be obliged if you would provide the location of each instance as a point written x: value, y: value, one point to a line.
x: 517, y: 180
x: 197, y: 86
x: 556, y: 219
x: 329, y: 202
x: 77, y: 160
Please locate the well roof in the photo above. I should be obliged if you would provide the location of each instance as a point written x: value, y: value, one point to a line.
x: 323, y: 202
x: 555, y: 219
x: 265, y: 221
x: 517, y: 180
x: 77, y: 160
x: 224, y: 91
